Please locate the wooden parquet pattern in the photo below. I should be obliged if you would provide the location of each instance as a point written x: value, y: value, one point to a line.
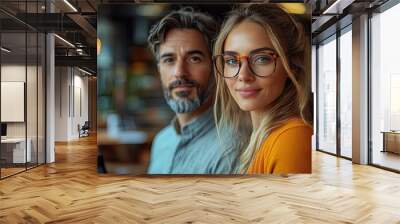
x: 70, y: 191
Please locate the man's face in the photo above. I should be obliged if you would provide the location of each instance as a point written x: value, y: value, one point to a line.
x: 185, y: 68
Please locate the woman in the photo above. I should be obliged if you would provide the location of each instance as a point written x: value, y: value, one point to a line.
x: 262, y: 74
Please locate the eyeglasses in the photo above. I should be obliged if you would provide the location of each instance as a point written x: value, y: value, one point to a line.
x: 261, y: 64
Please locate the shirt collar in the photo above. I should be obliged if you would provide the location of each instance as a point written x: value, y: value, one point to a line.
x: 202, y: 122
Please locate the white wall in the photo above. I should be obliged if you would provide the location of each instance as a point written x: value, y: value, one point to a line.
x: 81, y: 84
x: 71, y: 93
x: 61, y: 103
x: 13, y: 73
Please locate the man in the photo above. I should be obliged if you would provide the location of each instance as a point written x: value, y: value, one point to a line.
x: 181, y: 44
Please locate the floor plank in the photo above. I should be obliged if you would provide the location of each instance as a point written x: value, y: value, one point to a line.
x: 71, y: 191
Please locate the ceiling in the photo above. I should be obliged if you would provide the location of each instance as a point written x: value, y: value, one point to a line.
x: 76, y: 25
x: 76, y: 22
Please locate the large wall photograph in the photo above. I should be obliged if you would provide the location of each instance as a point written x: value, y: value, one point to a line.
x: 204, y: 89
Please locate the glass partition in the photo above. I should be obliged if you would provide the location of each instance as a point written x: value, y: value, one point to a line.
x: 385, y: 89
x: 22, y: 91
x: 41, y: 109
x: 327, y: 96
x: 346, y: 93
x: 13, y: 107
x: 31, y: 99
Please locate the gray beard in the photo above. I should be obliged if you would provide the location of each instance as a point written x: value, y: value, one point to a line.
x: 184, y: 104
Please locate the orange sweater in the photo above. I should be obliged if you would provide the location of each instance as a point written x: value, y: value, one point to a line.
x: 286, y: 150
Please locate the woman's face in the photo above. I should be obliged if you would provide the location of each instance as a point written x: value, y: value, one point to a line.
x: 253, y: 93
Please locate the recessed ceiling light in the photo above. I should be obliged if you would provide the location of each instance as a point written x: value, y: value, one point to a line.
x: 84, y: 71
x: 70, y: 5
x: 64, y: 40
x: 5, y: 49
x: 337, y: 7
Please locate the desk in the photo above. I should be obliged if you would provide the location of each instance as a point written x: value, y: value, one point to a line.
x: 125, y: 152
x: 391, y: 141
x: 16, y: 147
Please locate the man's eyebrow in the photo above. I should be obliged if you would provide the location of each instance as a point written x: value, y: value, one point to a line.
x: 191, y: 52
x: 164, y: 55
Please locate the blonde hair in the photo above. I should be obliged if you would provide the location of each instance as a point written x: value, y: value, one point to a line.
x: 289, y: 39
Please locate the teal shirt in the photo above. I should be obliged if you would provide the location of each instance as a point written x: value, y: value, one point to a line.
x: 195, y: 150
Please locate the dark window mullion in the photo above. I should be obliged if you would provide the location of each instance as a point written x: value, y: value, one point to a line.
x: 26, y: 87
x: 37, y: 90
x: 338, y: 98
x: 369, y: 98
x: 0, y: 92
x: 316, y: 96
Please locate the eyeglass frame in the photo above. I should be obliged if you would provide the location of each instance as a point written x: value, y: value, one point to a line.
x: 274, y: 55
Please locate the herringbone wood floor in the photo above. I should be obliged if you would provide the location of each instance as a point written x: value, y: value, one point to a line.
x: 70, y: 191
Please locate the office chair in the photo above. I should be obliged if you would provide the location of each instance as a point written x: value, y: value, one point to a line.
x: 84, y: 130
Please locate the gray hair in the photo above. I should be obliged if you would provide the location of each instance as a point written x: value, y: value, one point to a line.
x: 184, y: 18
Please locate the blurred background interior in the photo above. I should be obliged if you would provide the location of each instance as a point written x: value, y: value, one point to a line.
x: 131, y: 106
